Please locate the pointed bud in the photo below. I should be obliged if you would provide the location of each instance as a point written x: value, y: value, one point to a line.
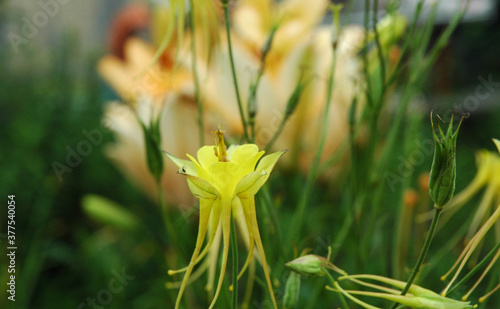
x: 308, y: 265
x: 443, y: 169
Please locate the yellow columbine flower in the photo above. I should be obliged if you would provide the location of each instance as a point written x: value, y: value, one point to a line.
x: 222, y: 179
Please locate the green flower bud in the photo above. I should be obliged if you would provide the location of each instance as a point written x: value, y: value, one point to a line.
x: 308, y: 265
x: 152, y: 140
x: 292, y: 289
x: 443, y: 169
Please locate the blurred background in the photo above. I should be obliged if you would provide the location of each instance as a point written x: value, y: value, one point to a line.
x: 52, y: 99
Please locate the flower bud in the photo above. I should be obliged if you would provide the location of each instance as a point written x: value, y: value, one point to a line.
x: 292, y: 289
x: 443, y: 169
x: 308, y: 265
x: 152, y: 143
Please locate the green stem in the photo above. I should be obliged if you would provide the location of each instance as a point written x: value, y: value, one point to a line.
x: 225, y: 7
x: 421, y: 258
x: 266, y: 200
x: 234, y: 244
x: 298, y: 220
x: 377, y: 43
x: 330, y: 278
x: 166, y: 216
x: 475, y: 269
x: 276, y: 134
x: 195, y: 75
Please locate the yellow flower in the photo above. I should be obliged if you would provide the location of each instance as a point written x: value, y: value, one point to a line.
x: 224, y: 179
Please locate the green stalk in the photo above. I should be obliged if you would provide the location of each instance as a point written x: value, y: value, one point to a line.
x: 330, y: 278
x: 266, y: 200
x: 423, y: 253
x: 194, y: 70
x: 377, y: 43
x: 166, y: 217
x: 475, y: 269
x: 298, y: 220
x: 234, y: 244
x: 225, y: 7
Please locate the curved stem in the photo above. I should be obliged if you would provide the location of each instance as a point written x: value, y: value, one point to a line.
x: 225, y: 6
x: 421, y: 258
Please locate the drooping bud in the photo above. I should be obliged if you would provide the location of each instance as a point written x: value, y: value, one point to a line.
x: 308, y: 265
x: 443, y: 169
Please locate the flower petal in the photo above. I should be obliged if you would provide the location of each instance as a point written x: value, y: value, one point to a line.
x: 206, y: 156
x: 201, y: 188
x: 242, y: 153
x: 251, y: 183
x: 267, y: 163
x: 185, y: 166
x: 202, y: 172
x: 497, y: 142
x: 205, y: 210
x: 250, y: 214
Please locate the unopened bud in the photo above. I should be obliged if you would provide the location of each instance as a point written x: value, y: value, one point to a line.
x: 292, y: 289
x: 443, y: 169
x: 308, y: 265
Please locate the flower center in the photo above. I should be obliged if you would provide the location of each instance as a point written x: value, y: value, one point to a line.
x: 220, y: 147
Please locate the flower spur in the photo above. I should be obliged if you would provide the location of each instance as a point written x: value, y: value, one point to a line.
x: 224, y: 179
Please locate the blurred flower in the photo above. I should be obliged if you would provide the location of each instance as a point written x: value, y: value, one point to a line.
x: 134, y: 77
x: 128, y: 152
x: 418, y: 297
x: 301, y: 50
x: 299, y: 56
x: 489, y: 174
x: 224, y: 179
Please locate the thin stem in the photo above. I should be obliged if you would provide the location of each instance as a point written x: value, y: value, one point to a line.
x: 377, y: 43
x: 234, y: 297
x: 266, y: 200
x: 194, y: 70
x: 296, y: 225
x: 341, y: 296
x: 421, y: 258
x: 166, y: 218
x: 225, y: 7
x: 277, y: 133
